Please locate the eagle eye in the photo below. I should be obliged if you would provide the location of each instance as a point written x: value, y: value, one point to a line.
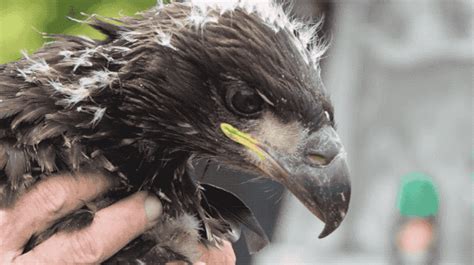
x: 245, y: 102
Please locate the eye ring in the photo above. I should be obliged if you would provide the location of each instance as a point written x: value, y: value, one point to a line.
x: 244, y: 101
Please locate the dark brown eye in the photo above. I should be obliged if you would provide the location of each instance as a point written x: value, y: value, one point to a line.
x: 244, y: 101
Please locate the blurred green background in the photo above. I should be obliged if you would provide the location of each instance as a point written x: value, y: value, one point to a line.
x: 22, y: 20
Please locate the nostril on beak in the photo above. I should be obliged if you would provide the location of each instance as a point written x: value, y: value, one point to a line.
x: 318, y: 160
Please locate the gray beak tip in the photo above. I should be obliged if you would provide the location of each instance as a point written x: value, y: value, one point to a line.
x: 328, y: 229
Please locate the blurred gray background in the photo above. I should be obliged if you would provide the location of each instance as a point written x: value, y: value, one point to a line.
x: 401, y: 77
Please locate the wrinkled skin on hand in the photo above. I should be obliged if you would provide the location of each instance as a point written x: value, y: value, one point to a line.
x: 112, y: 228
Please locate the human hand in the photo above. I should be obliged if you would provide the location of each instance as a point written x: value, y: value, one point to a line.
x: 112, y: 228
x: 224, y: 255
x: 220, y: 256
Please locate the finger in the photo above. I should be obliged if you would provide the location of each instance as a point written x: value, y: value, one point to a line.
x: 113, y: 227
x: 224, y: 254
x: 46, y: 202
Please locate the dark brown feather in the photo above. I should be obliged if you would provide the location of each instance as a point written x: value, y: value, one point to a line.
x: 46, y: 158
x: 17, y: 167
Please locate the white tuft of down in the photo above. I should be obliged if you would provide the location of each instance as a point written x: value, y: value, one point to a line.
x: 74, y: 94
x: 83, y: 59
x: 200, y: 16
x: 159, y: 4
x: 98, y: 80
x: 271, y: 13
x: 34, y: 68
x: 164, y: 39
x: 180, y: 234
x: 131, y: 36
x: 66, y: 54
x: 98, y: 115
x: 97, y: 112
x: 85, y: 86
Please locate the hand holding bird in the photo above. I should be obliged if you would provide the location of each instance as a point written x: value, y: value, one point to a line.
x: 114, y: 226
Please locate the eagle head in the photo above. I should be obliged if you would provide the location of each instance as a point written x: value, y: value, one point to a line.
x: 239, y: 85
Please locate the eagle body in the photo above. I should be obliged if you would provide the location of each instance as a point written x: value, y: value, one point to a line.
x: 174, y: 84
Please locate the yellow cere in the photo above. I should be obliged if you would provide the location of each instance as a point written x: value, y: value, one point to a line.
x: 242, y: 138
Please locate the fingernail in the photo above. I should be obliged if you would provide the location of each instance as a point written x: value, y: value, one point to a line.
x: 153, y: 208
x: 199, y: 263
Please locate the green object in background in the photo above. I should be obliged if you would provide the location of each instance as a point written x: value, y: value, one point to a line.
x: 20, y: 20
x: 418, y: 196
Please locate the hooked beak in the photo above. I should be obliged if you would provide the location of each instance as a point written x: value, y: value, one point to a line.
x: 317, y: 174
